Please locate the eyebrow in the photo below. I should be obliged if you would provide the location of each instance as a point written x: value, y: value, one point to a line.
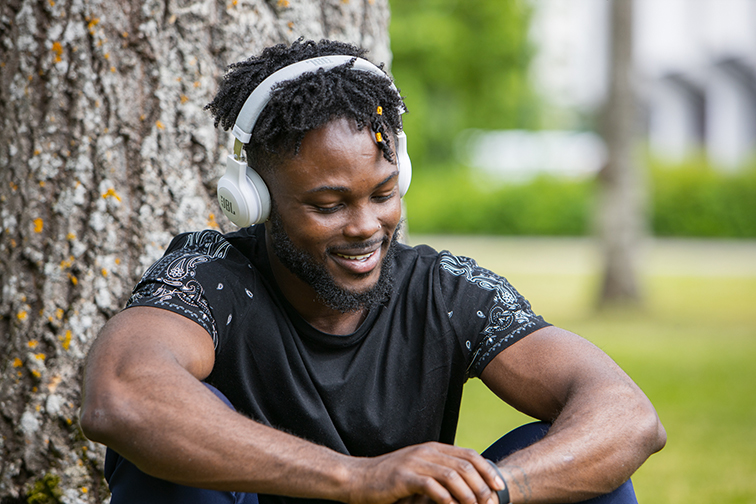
x: 342, y: 189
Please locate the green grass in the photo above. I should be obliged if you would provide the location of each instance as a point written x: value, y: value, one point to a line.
x: 691, y: 348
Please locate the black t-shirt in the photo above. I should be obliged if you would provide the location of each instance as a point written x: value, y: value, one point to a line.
x: 394, y: 382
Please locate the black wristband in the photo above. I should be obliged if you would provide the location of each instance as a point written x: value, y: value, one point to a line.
x: 504, y: 492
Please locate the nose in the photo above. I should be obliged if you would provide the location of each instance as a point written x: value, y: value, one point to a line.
x: 363, y: 223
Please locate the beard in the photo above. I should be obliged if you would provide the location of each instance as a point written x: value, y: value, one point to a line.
x: 314, y: 273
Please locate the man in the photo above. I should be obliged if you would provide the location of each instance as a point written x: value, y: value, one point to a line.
x: 343, y: 352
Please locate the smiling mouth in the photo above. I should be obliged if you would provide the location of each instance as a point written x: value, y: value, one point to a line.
x: 361, y: 257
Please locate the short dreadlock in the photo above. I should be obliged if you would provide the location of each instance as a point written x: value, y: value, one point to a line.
x: 308, y: 102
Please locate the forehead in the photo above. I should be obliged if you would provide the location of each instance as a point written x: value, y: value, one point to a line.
x: 337, y: 154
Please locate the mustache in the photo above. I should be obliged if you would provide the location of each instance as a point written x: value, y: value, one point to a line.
x: 351, y: 247
x: 370, y: 243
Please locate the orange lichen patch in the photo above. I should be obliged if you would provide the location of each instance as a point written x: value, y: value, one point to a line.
x: 38, y: 225
x: 69, y: 421
x: 159, y: 125
x: 197, y: 84
x: 66, y: 263
x: 73, y: 279
x: 32, y: 343
x: 36, y: 374
x: 54, y: 382
x: 17, y: 362
x: 59, y: 313
x: 211, y: 222
x: 184, y: 99
x: 283, y: 3
x: 65, y: 340
x: 91, y: 25
x: 111, y: 192
x: 117, y: 261
x: 290, y: 24
x: 37, y: 152
x: 40, y: 356
x: 112, y: 69
x: 22, y: 316
x: 84, y: 490
x: 106, y: 55
x: 12, y: 186
x: 13, y: 243
x: 41, y: 183
x: 70, y: 236
x: 104, y: 272
x: 57, y: 49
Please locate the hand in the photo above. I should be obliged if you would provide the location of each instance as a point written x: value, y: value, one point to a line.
x: 435, y: 472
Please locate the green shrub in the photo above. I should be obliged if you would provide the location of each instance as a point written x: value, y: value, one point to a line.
x: 692, y: 201
x: 700, y: 201
x: 453, y: 200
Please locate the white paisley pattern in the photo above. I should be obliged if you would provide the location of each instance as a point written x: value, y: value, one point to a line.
x: 171, y: 283
x: 509, y: 315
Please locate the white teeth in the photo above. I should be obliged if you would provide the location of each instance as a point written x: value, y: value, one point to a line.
x: 362, y: 257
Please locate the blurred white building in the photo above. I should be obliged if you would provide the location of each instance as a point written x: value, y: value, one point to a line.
x: 696, y: 70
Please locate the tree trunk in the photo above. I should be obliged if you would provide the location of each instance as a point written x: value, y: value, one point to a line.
x: 622, y: 216
x: 105, y: 154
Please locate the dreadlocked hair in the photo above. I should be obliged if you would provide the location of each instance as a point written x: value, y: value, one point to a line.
x: 307, y: 102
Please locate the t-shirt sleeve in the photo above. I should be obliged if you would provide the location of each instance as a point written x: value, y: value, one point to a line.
x: 485, y: 311
x: 200, y: 276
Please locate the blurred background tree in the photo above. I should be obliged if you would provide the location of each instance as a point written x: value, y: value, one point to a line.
x: 461, y: 65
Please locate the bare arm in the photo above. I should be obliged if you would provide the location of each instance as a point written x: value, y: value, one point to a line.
x: 144, y: 399
x: 603, y: 429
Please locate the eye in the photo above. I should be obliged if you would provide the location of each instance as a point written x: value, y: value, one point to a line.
x: 382, y: 198
x: 326, y: 209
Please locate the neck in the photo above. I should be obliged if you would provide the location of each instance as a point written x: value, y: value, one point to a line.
x: 305, y: 300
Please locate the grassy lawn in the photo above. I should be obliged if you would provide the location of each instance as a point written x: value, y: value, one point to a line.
x: 691, y: 348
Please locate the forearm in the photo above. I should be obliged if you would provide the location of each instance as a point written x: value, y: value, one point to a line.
x: 603, y: 426
x: 176, y: 429
x: 587, y: 452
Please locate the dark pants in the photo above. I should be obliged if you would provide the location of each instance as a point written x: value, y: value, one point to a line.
x: 129, y: 485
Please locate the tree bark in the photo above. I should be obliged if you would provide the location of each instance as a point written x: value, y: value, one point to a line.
x: 105, y: 154
x: 621, y: 212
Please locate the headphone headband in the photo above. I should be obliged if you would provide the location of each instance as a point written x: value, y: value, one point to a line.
x: 255, y: 103
x: 242, y: 193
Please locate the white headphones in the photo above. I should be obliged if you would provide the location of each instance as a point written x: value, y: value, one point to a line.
x: 242, y: 194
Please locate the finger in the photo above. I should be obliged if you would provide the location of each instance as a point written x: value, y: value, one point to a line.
x: 466, y: 483
x: 477, y: 471
x: 432, y: 489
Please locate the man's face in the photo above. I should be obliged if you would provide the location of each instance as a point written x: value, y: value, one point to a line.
x: 337, y: 208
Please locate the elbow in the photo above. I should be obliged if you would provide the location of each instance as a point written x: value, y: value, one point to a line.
x: 105, y: 417
x: 649, y: 431
x: 97, y: 419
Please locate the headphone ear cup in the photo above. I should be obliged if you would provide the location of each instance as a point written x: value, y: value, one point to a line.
x: 404, y: 163
x: 242, y: 194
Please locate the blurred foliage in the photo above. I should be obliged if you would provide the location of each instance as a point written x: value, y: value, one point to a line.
x: 461, y: 64
x: 458, y: 201
x: 694, y: 199
x: 689, y: 200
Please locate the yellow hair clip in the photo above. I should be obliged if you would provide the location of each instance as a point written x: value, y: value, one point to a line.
x: 378, y: 137
x: 379, y: 110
